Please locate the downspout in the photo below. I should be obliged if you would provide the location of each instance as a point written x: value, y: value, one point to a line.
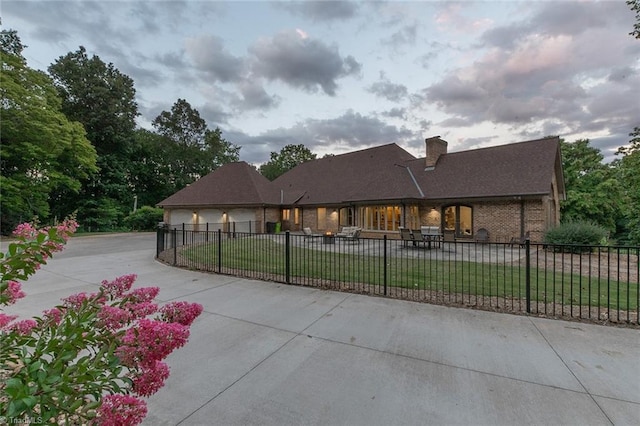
x: 522, y: 224
x: 264, y: 219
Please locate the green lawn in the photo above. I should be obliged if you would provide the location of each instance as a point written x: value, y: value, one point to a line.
x: 448, y: 276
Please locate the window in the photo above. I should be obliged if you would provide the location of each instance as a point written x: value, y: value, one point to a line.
x: 286, y: 214
x: 458, y: 219
x: 413, y: 217
x: 322, y: 218
x: 296, y: 216
x: 346, y: 216
x: 381, y: 218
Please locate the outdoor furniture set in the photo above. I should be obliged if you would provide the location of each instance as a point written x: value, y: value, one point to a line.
x: 348, y: 233
x: 428, y: 236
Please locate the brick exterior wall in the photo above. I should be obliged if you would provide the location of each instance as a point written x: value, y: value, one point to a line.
x: 500, y: 218
x: 310, y: 219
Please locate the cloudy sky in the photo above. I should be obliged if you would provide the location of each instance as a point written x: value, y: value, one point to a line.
x: 343, y: 75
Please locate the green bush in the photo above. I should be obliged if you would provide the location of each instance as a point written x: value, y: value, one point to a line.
x: 100, y: 215
x: 144, y: 219
x: 580, y: 235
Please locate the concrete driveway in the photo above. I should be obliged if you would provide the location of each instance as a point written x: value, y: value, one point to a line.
x: 269, y: 354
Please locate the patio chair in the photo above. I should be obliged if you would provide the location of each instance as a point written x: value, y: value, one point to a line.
x: 448, y: 238
x: 521, y: 240
x: 309, y: 235
x: 347, y: 231
x: 482, y: 236
x: 353, y: 237
x: 419, y: 238
x: 406, y: 236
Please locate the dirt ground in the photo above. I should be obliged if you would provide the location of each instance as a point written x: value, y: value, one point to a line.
x: 622, y: 266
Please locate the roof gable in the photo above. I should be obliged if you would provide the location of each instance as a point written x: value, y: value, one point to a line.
x: 232, y: 184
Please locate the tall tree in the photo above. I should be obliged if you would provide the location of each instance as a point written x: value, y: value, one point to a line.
x: 629, y: 176
x: 103, y: 100
x: 219, y: 150
x: 151, y: 175
x: 43, y: 152
x: 288, y: 157
x: 183, y: 125
x: 593, y: 191
x: 192, y: 150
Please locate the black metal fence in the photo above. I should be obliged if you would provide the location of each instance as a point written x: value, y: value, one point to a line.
x: 597, y: 283
x: 250, y: 226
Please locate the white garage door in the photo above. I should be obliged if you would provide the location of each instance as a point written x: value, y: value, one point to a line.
x: 213, y: 217
x: 244, y: 220
x: 180, y: 216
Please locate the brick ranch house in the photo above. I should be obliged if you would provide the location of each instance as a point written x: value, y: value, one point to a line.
x: 507, y: 190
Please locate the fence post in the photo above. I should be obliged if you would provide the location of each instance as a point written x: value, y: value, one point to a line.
x: 159, y: 240
x: 206, y: 235
x: 384, y: 268
x: 219, y: 250
x: 287, y: 260
x: 528, y: 274
x: 174, y: 243
x: 183, y: 234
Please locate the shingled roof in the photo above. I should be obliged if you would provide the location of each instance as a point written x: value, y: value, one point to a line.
x: 386, y: 173
x: 378, y: 173
x: 518, y: 169
x: 237, y: 184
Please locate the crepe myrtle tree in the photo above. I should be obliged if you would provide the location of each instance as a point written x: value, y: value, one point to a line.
x: 93, y: 358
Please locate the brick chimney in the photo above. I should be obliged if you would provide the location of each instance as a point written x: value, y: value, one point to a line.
x: 435, y: 148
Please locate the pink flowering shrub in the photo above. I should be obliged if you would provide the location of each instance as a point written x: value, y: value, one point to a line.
x: 119, y: 410
x: 91, y: 359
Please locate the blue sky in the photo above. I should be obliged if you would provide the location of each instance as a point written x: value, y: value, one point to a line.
x: 340, y: 76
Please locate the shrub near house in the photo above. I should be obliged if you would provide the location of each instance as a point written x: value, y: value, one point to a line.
x: 582, y: 236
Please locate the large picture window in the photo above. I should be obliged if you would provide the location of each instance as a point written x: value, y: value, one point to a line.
x: 458, y: 219
x: 381, y: 218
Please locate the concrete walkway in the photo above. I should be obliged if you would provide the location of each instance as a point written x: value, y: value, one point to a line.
x: 269, y: 354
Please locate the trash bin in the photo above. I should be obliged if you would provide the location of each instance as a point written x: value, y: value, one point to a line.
x: 271, y: 227
x: 278, y: 227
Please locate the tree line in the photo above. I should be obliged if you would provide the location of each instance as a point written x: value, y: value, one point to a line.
x: 605, y: 194
x: 70, y: 142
